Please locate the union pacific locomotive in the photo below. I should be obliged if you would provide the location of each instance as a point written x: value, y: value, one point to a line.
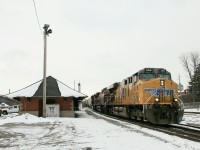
x: 150, y: 95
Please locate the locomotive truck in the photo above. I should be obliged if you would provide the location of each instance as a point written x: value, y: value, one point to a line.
x: 149, y: 95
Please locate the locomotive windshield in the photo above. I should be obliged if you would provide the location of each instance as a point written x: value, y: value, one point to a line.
x: 153, y: 75
x: 147, y: 75
x: 167, y: 76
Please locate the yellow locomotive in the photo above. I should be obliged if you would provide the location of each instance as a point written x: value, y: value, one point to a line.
x: 150, y: 95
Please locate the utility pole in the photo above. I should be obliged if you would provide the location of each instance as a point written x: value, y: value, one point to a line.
x: 47, y: 31
x: 179, y: 80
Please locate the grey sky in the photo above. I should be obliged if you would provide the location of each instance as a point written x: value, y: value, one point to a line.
x: 95, y: 42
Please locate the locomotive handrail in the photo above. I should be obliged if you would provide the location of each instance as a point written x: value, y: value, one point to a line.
x: 108, y: 98
x: 148, y: 99
x: 182, y: 104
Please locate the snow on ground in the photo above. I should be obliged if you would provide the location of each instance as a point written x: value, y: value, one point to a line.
x: 191, y: 118
x: 24, y: 118
x: 86, y: 132
x: 192, y: 110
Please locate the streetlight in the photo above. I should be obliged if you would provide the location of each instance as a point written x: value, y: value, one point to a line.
x: 47, y: 31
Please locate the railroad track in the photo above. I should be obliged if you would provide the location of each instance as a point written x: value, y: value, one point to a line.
x: 191, y: 126
x: 191, y: 113
x: 184, y: 131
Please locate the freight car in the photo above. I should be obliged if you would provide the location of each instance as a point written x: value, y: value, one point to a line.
x: 149, y: 95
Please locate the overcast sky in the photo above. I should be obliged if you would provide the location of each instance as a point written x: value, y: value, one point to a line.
x: 96, y: 42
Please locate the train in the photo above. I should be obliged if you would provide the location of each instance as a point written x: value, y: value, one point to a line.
x: 149, y: 95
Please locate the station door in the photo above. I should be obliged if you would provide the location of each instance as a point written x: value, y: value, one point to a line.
x: 53, y: 110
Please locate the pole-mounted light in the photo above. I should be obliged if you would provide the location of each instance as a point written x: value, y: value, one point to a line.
x: 47, y: 31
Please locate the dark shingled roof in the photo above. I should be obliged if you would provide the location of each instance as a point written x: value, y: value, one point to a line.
x: 52, y: 88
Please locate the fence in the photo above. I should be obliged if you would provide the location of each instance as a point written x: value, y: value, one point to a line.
x: 191, y: 105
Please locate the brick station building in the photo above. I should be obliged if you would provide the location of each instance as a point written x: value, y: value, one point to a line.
x: 61, y: 100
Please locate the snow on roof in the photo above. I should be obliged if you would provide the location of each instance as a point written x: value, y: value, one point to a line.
x: 67, y: 91
x: 28, y: 91
x: 4, y: 104
x: 54, y: 88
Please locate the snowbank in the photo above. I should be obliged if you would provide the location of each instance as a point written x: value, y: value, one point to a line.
x: 24, y: 118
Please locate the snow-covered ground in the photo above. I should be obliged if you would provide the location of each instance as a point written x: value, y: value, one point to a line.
x: 193, y: 119
x: 86, y: 132
x: 192, y: 110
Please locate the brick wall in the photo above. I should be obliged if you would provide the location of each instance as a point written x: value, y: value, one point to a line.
x: 32, y: 104
x: 29, y: 104
x: 65, y: 103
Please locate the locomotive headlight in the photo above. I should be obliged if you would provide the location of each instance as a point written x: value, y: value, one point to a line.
x: 175, y: 99
x: 162, y: 82
x: 156, y: 99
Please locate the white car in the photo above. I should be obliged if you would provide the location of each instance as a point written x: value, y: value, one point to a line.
x: 11, y: 109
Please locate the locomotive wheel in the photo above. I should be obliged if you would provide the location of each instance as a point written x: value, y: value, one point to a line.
x: 134, y: 117
x: 139, y: 115
x: 128, y: 112
x: 111, y: 111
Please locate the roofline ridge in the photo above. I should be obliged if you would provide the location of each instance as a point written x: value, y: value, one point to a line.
x: 23, y: 88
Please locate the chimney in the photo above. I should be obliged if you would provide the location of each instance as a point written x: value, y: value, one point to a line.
x: 79, y: 87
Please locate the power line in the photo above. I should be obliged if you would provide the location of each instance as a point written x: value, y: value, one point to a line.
x: 37, y: 17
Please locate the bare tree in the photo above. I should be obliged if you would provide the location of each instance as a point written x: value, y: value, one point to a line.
x: 186, y: 64
x: 194, y: 57
x: 190, y: 62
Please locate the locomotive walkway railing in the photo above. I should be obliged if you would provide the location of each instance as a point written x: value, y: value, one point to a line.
x: 146, y: 102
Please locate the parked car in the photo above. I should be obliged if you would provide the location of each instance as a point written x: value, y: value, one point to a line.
x: 11, y: 109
